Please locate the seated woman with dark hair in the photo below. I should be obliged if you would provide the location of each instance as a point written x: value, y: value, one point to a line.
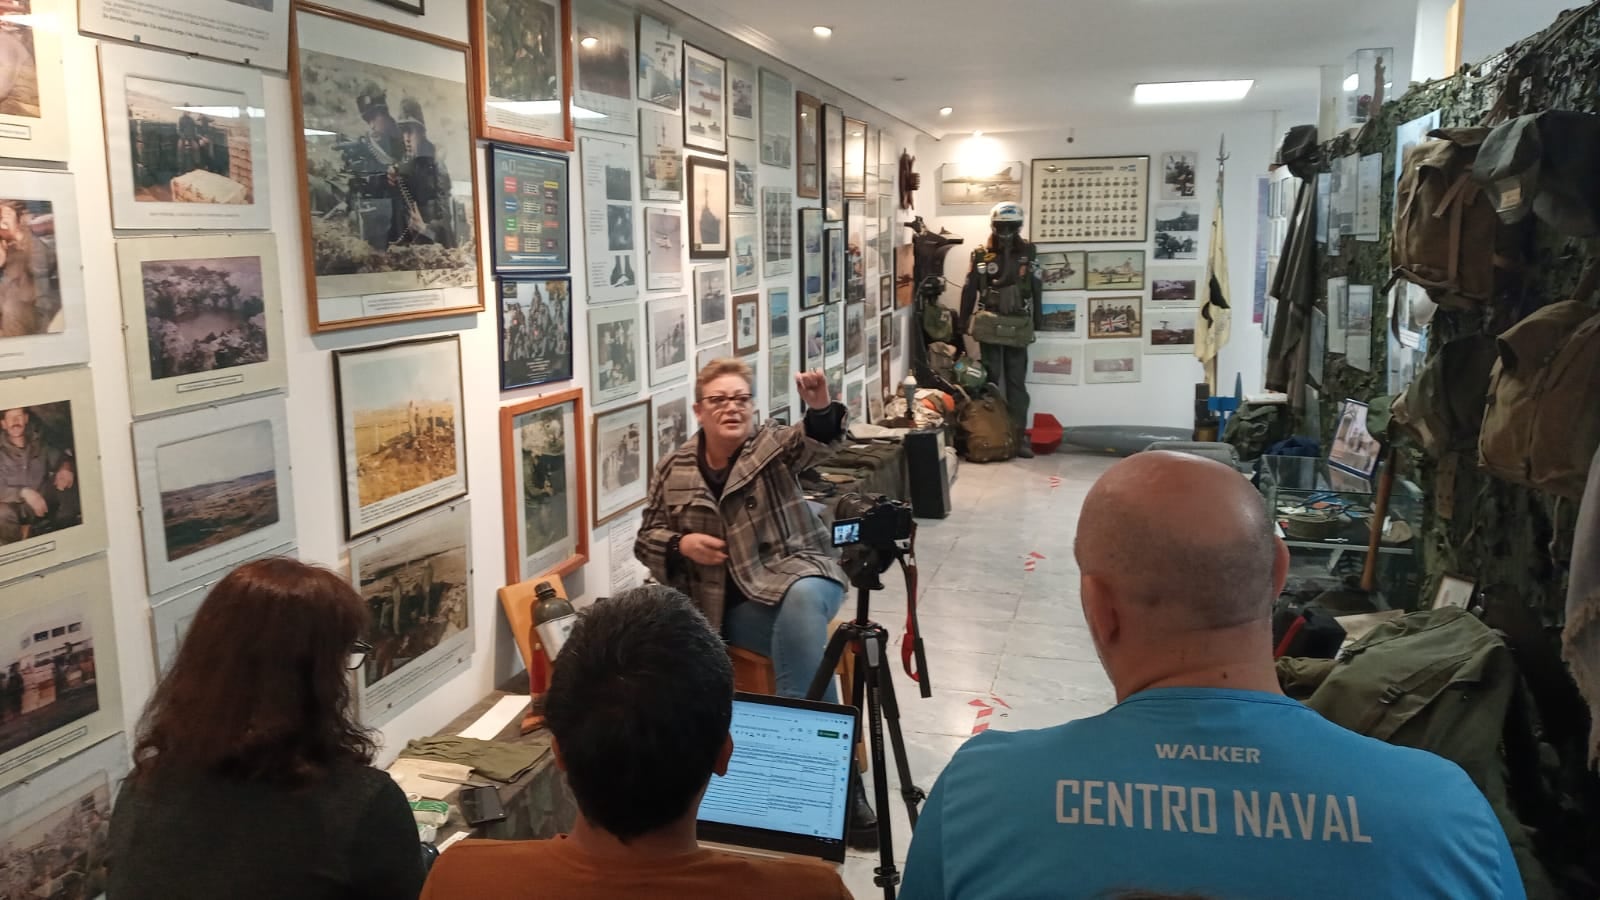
x: 252, y: 778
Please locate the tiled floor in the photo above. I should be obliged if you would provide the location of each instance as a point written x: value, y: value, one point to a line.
x: 1000, y: 620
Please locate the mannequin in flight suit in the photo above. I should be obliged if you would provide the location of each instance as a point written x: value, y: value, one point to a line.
x: 1000, y: 309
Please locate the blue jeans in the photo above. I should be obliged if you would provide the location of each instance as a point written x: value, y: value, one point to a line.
x: 793, y: 634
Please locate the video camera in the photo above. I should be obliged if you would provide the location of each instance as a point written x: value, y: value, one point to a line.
x: 873, y: 532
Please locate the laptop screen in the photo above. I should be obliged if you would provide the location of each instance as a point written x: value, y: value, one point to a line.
x: 788, y: 783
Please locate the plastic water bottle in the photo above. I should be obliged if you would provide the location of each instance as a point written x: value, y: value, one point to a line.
x: 553, y: 618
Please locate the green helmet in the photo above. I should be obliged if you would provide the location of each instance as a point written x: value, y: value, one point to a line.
x: 970, y: 374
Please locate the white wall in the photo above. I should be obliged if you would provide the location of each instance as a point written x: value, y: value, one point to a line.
x: 313, y: 440
x: 1490, y: 26
x: 1165, y: 396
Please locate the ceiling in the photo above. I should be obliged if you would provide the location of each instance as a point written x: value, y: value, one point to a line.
x: 1023, y: 65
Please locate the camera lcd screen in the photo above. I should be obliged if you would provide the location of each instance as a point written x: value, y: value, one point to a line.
x: 846, y: 533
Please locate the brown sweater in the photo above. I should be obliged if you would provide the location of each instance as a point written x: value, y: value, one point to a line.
x: 503, y: 870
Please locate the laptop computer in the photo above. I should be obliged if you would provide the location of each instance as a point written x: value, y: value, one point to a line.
x: 787, y: 791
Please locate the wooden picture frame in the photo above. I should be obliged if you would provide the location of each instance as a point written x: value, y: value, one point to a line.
x: 708, y: 223
x: 1115, y: 318
x: 500, y: 122
x: 525, y: 429
x: 705, y: 100
x: 855, y: 157
x: 342, y: 300
x: 746, y: 324
x: 616, y: 459
x: 392, y: 496
x: 808, y: 146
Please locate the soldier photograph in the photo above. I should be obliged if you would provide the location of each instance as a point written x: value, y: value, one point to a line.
x: 30, y: 301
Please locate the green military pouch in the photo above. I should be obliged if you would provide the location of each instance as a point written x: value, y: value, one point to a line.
x: 1006, y: 331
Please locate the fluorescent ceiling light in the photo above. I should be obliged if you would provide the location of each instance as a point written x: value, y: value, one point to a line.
x: 1351, y: 83
x: 590, y: 41
x: 224, y: 112
x: 317, y: 132
x: 543, y: 108
x: 31, y: 20
x: 1191, y: 91
x: 946, y: 110
x: 821, y: 31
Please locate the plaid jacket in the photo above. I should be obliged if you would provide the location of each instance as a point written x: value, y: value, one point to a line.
x: 773, y: 537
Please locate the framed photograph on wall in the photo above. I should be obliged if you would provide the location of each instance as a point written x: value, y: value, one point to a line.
x: 663, y: 249
x: 43, y: 323
x: 708, y: 208
x: 1055, y: 362
x: 1063, y: 270
x: 777, y: 120
x: 1177, y: 231
x: 704, y: 356
x: 833, y: 319
x: 837, y: 265
x: 402, y: 433
x: 621, y: 440
x: 855, y: 158
x: 705, y: 118
x: 855, y: 399
x: 251, y: 32
x: 172, y: 611
x: 1176, y: 287
x: 1172, y: 329
x: 1113, y: 362
x: 60, y: 814
x: 660, y: 64
x: 608, y: 185
x: 202, y: 319
x: 777, y: 313
x: 711, y: 303
x: 1090, y: 200
x: 855, y: 335
x: 885, y: 293
x: 1178, y: 168
x: 660, y: 155
x: 667, y: 321
x: 59, y: 515
x: 1062, y: 314
x: 746, y: 324
x: 745, y: 273
x: 376, y: 256
x: 1454, y: 591
x: 214, y: 488
x: 416, y: 578
x: 855, y: 242
x: 742, y: 100
x: 1115, y: 317
x: 813, y: 342
x: 535, y: 331
x: 528, y: 213
x: 780, y: 375
x: 614, y: 369
x: 885, y: 329
x: 807, y: 146
x: 542, y: 482
x: 1114, y: 270
x: 833, y: 162
x: 602, y: 70
x: 1354, y: 448
x: 673, y: 415
x: 742, y: 187
x: 813, y: 259
x: 57, y: 636
x: 522, y: 71
x: 777, y: 232
x: 184, y: 149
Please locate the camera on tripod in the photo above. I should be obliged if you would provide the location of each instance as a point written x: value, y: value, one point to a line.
x: 873, y: 531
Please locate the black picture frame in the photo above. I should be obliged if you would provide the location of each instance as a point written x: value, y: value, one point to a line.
x: 528, y: 371
x: 516, y: 215
x: 837, y: 262
x: 698, y: 208
x: 415, y: 8
x: 813, y: 263
x: 833, y: 162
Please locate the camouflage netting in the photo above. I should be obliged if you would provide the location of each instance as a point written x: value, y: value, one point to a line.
x: 1514, y: 542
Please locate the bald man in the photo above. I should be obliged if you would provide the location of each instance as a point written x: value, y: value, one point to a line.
x: 1204, y: 777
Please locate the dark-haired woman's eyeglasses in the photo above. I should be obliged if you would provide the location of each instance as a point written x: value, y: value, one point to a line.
x: 358, y: 655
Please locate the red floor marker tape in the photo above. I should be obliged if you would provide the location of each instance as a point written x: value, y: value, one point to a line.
x: 1036, y: 555
x: 1055, y: 482
x: 985, y: 712
x: 1029, y: 566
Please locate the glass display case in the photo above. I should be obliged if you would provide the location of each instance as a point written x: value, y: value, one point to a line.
x: 1325, y: 516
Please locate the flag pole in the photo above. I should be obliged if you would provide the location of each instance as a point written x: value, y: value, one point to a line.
x: 1215, y: 311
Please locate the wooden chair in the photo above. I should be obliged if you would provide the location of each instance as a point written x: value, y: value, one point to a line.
x: 753, y: 674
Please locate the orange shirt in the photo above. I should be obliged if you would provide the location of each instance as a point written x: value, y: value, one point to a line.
x: 503, y: 870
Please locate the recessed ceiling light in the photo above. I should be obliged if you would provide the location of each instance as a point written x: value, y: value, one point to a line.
x: 590, y: 42
x: 821, y: 31
x: 946, y: 110
x: 1191, y: 91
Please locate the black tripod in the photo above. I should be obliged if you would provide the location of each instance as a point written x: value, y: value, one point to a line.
x: 869, y: 642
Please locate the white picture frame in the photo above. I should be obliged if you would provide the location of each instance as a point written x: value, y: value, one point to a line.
x: 744, y: 165
x: 54, y: 329
x: 604, y: 72
x: 429, y: 555
x: 670, y: 338
x: 742, y: 99
x: 223, y: 279
x: 744, y: 251
x: 607, y: 169
x: 1178, y: 175
x: 172, y: 611
x: 58, y: 420
x: 1454, y: 591
x: 1113, y: 362
x: 712, y: 302
x: 1170, y: 330
x: 705, y: 82
x: 615, y: 370
x: 251, y: 33
x: 663, y: 249
x: 164, y: 96
x: 407, y: 391
x: 65, y: 612
x: 33, y: 123
x: 706, y: 355
x: 777, y: 232
x: 214, y: 488
x: 777, y: 120
x: 1055, y: 362
x: 661, y: 163
x: 60, y: 814
x: 621, y: 477
x: 673, y: 421
x: 660, y: 64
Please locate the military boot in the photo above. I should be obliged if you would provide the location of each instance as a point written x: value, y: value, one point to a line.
x: 1024, y: 450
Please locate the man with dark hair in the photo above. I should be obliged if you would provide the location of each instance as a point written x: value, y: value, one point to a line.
x: 1204, y: 777
x: 638, y: 709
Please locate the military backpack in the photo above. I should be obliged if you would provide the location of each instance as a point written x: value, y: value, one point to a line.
x: 983, y: 428
x: 1442, y: 410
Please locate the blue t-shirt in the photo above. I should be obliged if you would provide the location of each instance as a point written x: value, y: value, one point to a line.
x: 1229, y: 794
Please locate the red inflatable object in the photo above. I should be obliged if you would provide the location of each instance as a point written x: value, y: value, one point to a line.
x: 1045, y: 435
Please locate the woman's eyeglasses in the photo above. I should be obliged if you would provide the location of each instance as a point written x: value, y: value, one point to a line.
x: 358, y: 655
x: 718, y: 401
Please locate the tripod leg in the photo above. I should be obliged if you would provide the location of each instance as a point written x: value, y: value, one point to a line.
x: 909, y: 791
x: 887, y: 875
x: 830, y: 661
